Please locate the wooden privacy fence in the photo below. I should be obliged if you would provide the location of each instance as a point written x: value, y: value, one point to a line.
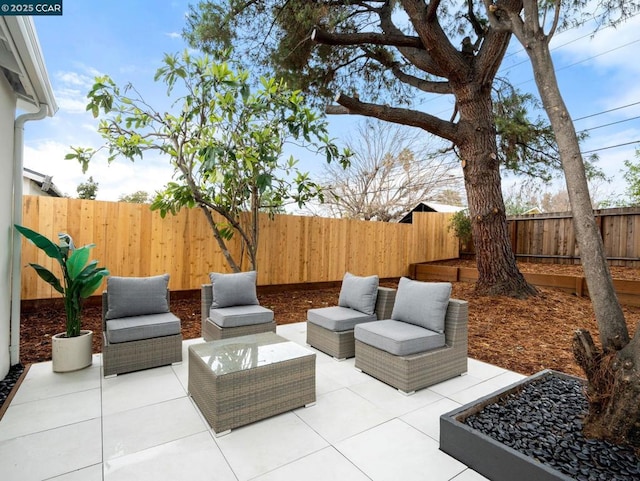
x: 132, y: 240
x: 551, y: 237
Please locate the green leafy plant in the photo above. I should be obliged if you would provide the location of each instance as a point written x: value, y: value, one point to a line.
x: 80, y: 277
x: 460, y: 223
x: 225, y: 136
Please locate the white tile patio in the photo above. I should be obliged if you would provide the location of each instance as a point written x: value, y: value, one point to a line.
x: 143, y: 426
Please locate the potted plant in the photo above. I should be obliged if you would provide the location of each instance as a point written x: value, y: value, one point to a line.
x: 71, y: 350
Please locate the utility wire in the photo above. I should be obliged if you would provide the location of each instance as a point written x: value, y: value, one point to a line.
x: 609, y: 124
x: 607, y: 111
x: 611, y: 147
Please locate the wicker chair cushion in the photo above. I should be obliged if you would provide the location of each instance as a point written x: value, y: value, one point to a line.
x: 136, y: 328
x: 422, y: 303
x: 359, y: 293
x: 236, y: 316
x: 337, y: 318
x: 398, y: 338
x: 237, y: 289
x: 136, y: 296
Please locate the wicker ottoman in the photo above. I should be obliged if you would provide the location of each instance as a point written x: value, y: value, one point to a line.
x: 241, y: 380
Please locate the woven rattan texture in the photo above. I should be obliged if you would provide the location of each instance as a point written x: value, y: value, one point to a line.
x: 340, y: 344
x: 417, y: 371
x: 235, y: 399
x: 212, y: 332
x: 136, y: 355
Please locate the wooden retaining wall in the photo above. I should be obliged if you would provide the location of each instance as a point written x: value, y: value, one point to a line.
x: 628, y: 291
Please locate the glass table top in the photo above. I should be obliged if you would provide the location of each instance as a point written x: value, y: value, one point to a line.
x: 235, y: 354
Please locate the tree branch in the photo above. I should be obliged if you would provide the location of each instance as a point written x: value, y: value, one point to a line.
x: 430, y: 123
x: 424, y: 19
x: 424, y: 85
x: 367, y: 38
x: 477, y: 26
x: 421, y: 84
x: 420, y: 58
x: 556, y: 19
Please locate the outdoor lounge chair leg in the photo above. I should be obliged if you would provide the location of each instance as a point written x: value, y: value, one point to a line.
x: 406, y: 393
x: 220, y: 434
x: 310, y: 404
x: 339, y: 359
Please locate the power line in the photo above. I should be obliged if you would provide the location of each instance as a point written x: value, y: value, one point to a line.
x: 557, y: 47
x: 611, y: 147
x: 607, y: 111
x: 598, y: 55
x: 609, y: 124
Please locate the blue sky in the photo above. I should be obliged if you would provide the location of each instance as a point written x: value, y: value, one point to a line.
x: 127, y: 40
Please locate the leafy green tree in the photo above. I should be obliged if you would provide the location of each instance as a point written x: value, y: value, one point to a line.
x: 613, y: 372
x: 632, y: 177
x: 372, y: 58
x: 224, y: 141
x: 88, y: 190
x: 138, y: 197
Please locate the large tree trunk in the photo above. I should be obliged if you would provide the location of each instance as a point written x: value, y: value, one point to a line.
x: 613, y: 376
x: 498, y: 273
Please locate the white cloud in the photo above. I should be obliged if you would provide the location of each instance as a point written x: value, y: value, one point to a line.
x: 71, y: 88
x: 173, y: 35
x: 125, y: 177
x: 71, y: 100
x: 610, y: 48
x: 119, y: 177
x: 74, y: 78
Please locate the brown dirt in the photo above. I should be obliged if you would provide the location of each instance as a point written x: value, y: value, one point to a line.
x: 525, y: 336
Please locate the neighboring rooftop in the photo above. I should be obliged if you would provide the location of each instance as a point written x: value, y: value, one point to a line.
x: 429, y: 207
x: 39, y: 184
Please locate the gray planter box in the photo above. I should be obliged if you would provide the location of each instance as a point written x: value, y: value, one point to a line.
x: 487, y: 456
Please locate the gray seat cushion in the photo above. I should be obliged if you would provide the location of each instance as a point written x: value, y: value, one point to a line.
x: 337, y: 318
x: 135, y: 328
x: 359, y: 293
x: 136, y: 296
x: 422, y: 303
x: 398, y: 338
x: 236, y: 316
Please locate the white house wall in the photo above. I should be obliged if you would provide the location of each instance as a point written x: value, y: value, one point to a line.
x: 7, y: 116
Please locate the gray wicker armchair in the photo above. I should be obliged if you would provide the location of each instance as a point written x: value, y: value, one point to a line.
x: 340, y: 343
x: 138, y: 331
x: 411, y: 371
x: 213, y: 331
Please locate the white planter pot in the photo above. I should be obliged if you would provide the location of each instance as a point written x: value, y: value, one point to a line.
x: 71, y: 353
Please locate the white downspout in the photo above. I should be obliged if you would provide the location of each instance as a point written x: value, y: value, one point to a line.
x: 18, y: 148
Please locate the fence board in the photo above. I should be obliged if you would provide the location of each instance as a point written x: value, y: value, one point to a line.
x: 550, y: 238
x: 131, y: 240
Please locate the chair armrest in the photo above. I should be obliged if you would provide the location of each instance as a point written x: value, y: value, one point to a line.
x: 206, y: 299
x: 385, y: 301
x: 456, y: 323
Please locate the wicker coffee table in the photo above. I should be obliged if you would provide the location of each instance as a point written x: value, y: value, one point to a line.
x: 240, y: 380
